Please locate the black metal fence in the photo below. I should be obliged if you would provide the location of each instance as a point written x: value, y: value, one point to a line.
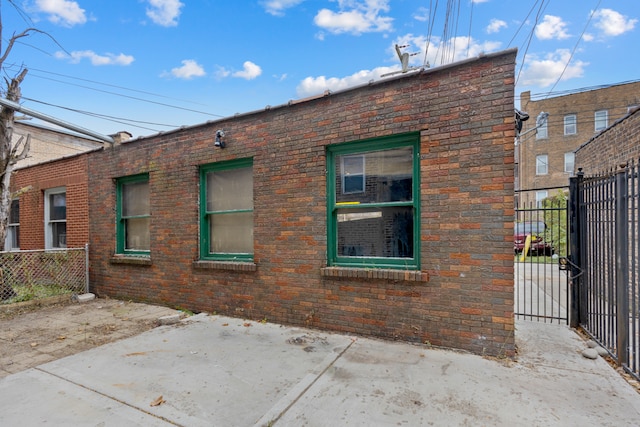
x: 604, y: 216
x: 541, y: 290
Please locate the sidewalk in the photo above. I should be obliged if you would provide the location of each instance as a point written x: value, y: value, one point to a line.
x: 214, y: 370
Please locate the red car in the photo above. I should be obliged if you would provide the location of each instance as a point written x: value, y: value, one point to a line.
x: 536, y: 229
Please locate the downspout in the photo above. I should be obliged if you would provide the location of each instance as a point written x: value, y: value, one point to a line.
x: 29, y: 112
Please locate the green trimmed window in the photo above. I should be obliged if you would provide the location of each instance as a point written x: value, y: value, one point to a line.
x: 226, y: 211
x: 133, y: 215
x: 373, y: 203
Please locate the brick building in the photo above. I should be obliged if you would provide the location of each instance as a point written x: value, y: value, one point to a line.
x: 545, y: 158
x: 616, y: 146
x: 52, y: 209
x: 384, y: 210
x: 53, y: 174
x: 48, y: 143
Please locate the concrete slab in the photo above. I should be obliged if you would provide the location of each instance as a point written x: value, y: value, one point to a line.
x: 221, y: 370
x: 218, y: 371
x: 61, y: 403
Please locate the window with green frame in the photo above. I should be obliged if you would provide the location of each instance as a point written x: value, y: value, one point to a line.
x: 133, y: 216
x: 226, y: 211
x: 373, y: 203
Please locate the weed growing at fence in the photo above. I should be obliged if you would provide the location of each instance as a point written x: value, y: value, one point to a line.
x: 31, y: 292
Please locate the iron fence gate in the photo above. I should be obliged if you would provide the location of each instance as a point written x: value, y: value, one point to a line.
x: 606, y: 273
x: 541, y: 288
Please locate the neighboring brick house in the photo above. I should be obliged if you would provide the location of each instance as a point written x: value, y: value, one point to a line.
x: 616, y: 146
x: 48, y: 143
x: 545, y: 159
x: 384, y: 210
x: 51, y: 207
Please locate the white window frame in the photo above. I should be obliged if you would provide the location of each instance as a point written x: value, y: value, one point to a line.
x: 542, y: 164
x: 543, y: 131
x: 569, y: 162
x: 602, y: 117
x: 570, y: 124
x: 13, y: 229
x: 48, y: 232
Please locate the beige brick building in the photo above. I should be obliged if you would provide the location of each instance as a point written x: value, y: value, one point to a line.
x: 545, y: 156
x: 48, y: 143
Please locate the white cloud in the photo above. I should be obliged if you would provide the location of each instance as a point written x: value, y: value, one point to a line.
x: 479, y: 1
x: 459, y: 48
x: 277, y: 7
x: 249, y: 72
x: 221, y: 72
x: 107, y: 59
x: 588, y: 37
x: 164, y: 12
x: 63, y: 12
x: 355, y: 17
x: 551, y: 27
x: 438, y: 52
x: 613, y: 23
x: 422, y: 14
x: 496, y: 25
x: 546, y: 71
x: 316, y: 85
x: 188, y: 70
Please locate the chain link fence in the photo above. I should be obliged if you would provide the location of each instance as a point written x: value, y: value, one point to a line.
x: 29, y: 275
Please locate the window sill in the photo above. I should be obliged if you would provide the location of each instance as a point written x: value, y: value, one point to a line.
x: 225, y: 265
x: 130, y: 259
x: 375, y: 273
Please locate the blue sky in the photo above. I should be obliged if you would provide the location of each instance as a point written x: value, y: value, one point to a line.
x: 153, y: 65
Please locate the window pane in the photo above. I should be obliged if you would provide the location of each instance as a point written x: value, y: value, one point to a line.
x: 231, y: 233
x: 569, y: 159
x: 570, y: 125
x: 14, y: 213
x: 388, y: 177
x: 601, y: 120
x: 58, y: 206
x: 375, y: 232
x: 135, y: 199
x: 542, y: 164
x: 59, y: 234
x: 230, y: 189
x: 542, y: 133
x: 137, y: 234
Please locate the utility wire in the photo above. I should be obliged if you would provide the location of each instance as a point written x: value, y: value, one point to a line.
x: 575, y: 47
x: 531, y: 33
x: 469, y: 36
x: 102, y: 116
x: 107, y: 84
x: 132, y: 97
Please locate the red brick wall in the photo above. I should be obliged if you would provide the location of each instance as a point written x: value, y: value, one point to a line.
x: 70, y: 173
x: 463, y: 295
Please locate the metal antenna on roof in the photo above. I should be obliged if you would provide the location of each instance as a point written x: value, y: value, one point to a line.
x: 404, y: 61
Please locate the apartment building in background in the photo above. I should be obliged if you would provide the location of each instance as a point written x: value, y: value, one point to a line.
x: 545, y: 156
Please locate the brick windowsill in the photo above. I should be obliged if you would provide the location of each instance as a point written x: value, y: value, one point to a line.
x: 131, y: 260
x: 225, y: 265
x: 375, y: 273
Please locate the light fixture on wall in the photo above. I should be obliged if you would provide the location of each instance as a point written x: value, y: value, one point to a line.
x: 219, y: 135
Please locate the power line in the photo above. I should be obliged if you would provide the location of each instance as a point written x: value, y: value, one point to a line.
x: 123, y: 95
x: 104, y: 116
x: 108, y: 85
x: 576, y: 45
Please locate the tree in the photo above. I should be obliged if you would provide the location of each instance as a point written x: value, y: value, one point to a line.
x: 10, y: 151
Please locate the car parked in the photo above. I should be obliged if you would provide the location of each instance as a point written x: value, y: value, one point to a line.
x: 536, y: 230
